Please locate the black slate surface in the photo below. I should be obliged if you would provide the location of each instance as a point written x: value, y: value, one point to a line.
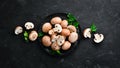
x: 15, y: 53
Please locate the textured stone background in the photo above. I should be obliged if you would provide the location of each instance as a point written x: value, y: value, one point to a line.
x: 15, y: 53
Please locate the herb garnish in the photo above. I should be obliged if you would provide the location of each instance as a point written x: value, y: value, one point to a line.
x: 56, y: 52
x: 26, y: 36
x: 40, y: 34
x: 72, y: 20
x: 93, y: 28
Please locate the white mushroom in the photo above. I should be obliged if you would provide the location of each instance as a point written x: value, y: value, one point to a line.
x: 18, y: 30
x: 54, y: 38
x: 57, y: 28
x: 33, y: 35
x: 56, y: 20
x: 66, y: 45
x: 46, y: 27
x: 60, y: 40
x: 64, y: 23
x: 98, y: 38
x: 46, y: 41
x: 72, y: 28
x: 87, y: 33
x: 29, y: 25
x: 73, y: 37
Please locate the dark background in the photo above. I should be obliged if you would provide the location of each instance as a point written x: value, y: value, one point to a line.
x: 15, y: 53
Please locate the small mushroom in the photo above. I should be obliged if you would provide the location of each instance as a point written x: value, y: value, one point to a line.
x: 51, y: 32
x: 73, y: 37
x: 18, y: 30
x: 87, y: 33
x: 65, y: 32
x: 55, y: 46
x: 72, y: 28
x: 57, y: 28
x: 98, y: 38
x: 29, y: 25
x: 33, y: 35
x: 56, y: 20
x: 66, y: 45
x: 46, y: 27
x: 54, y: 38
x: 46, y: 41
x: 64, y: 23
x: 60, y: 40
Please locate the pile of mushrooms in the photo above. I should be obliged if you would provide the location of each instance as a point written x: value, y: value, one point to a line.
x: 28, y: 26
x: 59, y: 35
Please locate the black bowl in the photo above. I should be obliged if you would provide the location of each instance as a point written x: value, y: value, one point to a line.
x: 48, y: 49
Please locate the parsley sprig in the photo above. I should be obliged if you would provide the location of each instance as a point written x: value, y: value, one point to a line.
x: 72, y: 20
x: 93, y: 28
x: 26, y: 36
x: 40, y: 34
x: 56, y: 52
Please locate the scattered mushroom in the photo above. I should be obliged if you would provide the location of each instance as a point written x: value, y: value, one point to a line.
x: 55, y: 46
x: 72, y: 28
x: 66, y: 45
x: 64, y: 23
x: 98, y: 38
x: 33, y: 35
x: 73, y: 37
x: 65, y: 32
x: 57, y: 28
x: 46, y: 27
x: 18, y: 30
x: 46, y: 41
x: 29, y: 25
x: 56, y: 20
x: 87, y: 33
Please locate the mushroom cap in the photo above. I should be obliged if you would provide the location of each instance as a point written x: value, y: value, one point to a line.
x: 33, y: 35
x: 73, y: 37
x: 64, y: 23
x: 18, y: 30
x: 66, y: 45
x: 46, y: 41
x: 57, y: 28
x: 60, y: 40
x: 72, y: 28
x: 55, y: 46
x: 98, y: 38
x: 65, y: 32
x: 46, y: 27
x: 87, y: 33
x: 56, y: 20
x: 29, y: 25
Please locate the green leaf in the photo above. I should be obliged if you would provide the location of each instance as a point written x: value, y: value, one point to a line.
x: 93, y: 28
x: 76, y: 24
x: 55, y: 52
x: 71, y: 17
x: 72, y: 20
x: 25, y: 34
x: 40, y: 34
x: 26, y: 39
x: 58, y: 52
